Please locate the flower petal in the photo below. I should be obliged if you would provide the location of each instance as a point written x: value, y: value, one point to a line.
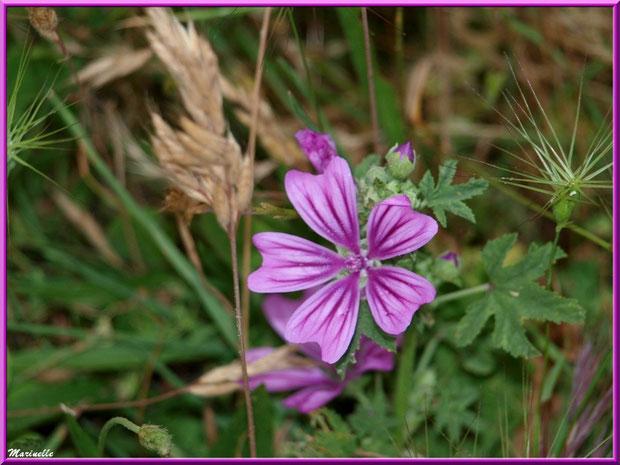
x: 314, y: 397
x: 326, y: 202
x: 279, y: 309
x: 371, y: 356
x: 394, y: 228
x: 256, y: 353
x: 291, y: 263
x: 394, y: 294
x: 290, y: 378
x: 319, y: 148
x: 406, y: 151
x: 328, y: 318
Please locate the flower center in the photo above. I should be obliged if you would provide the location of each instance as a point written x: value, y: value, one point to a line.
x: 354, y: 263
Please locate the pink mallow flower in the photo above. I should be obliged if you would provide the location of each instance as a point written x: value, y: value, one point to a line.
x: 328, y: 205
x: 316, y: 385
x: 319, y: 148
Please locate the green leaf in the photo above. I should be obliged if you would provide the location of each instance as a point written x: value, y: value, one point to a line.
x: 365, y: 326
x: 515, y: 297
x: 444, y: 196
x: 300, y: 112
x: 453, y: 413
x: 373, y: 423
x: 552, y: 379
x: 369, y: 328
x: 333, y: 438
x: 495, y: 251
x: 472, y: 323
x: 84, y: 444
x: 348, y: 358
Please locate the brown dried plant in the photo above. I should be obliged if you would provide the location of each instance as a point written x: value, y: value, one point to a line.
x: 200, y: 157
x: 45, y: 21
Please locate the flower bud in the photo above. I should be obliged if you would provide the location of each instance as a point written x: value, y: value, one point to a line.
x: 319, y: 148
x: 446, y: 268
x: 563, y: 208
x: 450, y: 256
x: 155, y: 438
x: 401, y: 160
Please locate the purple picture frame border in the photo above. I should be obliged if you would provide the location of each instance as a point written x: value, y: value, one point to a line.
x: 323, y: 3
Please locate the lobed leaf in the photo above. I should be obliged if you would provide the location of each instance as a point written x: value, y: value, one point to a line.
x: 515, y: 297
x: 444, y: 196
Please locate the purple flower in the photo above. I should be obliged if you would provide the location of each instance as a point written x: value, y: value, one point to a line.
x: 319, y: 148
x: 406, y: 151
x: 450, y: 256
x: 327, y: 204
x: 316, y: 385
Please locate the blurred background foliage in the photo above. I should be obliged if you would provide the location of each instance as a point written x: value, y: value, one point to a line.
x: 97, y: 312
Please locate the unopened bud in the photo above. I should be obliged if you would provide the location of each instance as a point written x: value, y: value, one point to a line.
x: 563, y: 208
x: 155, y: 438
x: 319, y: 148
x: 401, y: 160
x: 451, y: 257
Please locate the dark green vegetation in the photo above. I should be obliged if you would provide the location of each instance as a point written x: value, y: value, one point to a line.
x: 105, y: 303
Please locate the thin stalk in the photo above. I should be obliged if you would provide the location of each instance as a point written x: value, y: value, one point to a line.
x: 101, y: 407
x: 131, y: 426
x: 538, y: 419
x: 258, y: 76
x: 404, y: 377
x: 460, y: 294
x: 371, y: 85
x: 554, y: 249
x: 244, y: 367
x: 246, y: 255
x: 251, y: 152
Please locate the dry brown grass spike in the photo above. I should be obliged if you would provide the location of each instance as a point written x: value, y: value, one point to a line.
x: 201, y: 157
x: 44, y: 20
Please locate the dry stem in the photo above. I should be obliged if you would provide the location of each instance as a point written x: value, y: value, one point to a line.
x: 251, y: 152
x: 244, y: 367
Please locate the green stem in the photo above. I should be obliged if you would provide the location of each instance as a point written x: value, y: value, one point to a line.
x: 131, y: 426
x: 554, y: 249
x: 538, y: 419
x: 404, y: 377
x: 460, y: 294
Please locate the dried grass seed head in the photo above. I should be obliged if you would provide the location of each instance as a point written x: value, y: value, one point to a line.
x: 202, y: 158
x: 44, y: 20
